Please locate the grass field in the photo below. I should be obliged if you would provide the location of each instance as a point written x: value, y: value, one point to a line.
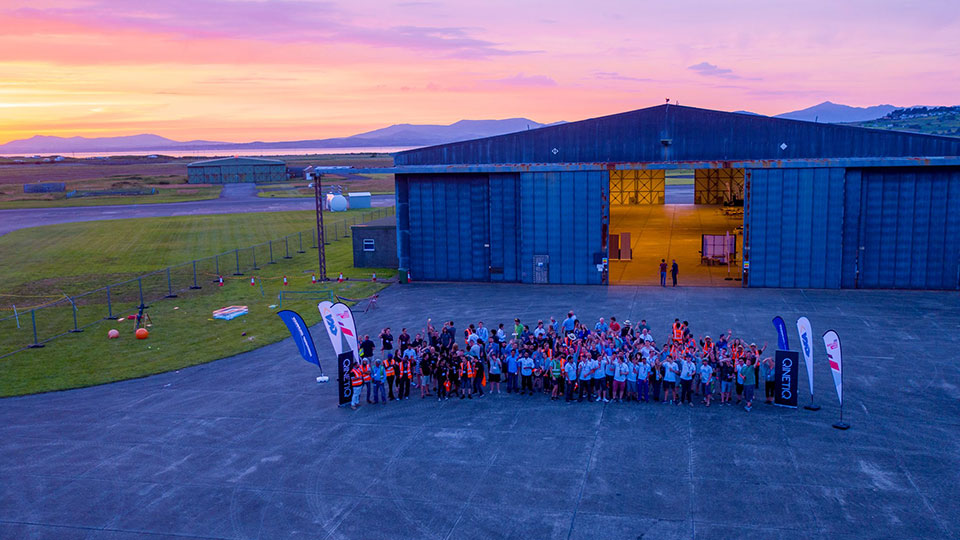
x: 376, y: 184
x: 81, y: 256
x: 167, y: 174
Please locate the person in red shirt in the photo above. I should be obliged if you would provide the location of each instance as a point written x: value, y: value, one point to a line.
x: 663, y: 272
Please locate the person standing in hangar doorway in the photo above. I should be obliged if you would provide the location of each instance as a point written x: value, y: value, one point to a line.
x: 674, y: 270
x: 663, y: 272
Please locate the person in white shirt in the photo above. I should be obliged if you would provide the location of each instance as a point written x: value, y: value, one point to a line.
x: 706, y: 381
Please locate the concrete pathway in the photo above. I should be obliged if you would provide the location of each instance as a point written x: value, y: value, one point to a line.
x: 252, y: 447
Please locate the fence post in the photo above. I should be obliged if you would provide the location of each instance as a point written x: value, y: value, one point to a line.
x: 286, y: 247
x: 33, y: 318
x: 195, y: 285
x: 217, y: 257
x: 345, y: 229
x: 140, y: 288
x: 236, y: 253
x: 109, y: 304
x: 169, y: 286
x: 253, y: 252
x: 75, y: 327
x: 313, y: 234
x: 271, y: 253
x: 300, y: 242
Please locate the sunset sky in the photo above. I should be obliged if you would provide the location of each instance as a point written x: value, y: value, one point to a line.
x: 278, y: 70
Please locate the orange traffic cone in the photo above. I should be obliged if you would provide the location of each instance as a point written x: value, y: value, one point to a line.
x: 284, y: 281
x: 220, y: 281
x: 374, y: 277
x: 314, y: 280
x: 253, y: 282
x: 340, y: 279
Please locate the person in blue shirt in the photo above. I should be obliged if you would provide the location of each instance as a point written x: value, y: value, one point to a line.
x: 378, y: 375
x: 482, y: 332
x: 609, y: 372
x: 496, y: 369
x: 586, y: 379
x: 570, y: 378
x: 632, y: 379
x: 643, y: 385
x: 601, y: 326
x: 569, y: 323
x: 526, y: 372
x: 512, y: 361
x: 599, y: 378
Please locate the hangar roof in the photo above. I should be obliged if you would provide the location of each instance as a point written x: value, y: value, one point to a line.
x: 230, y: 161
x: 669, y: 133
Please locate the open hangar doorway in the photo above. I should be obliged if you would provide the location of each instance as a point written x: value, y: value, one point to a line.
x: 692, y: 216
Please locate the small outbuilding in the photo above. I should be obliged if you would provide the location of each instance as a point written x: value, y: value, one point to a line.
x: 236, y: 170
x: 375, y: 244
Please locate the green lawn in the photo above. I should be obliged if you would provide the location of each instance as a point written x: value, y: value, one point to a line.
x: 81, y: 256
x: 163, y: 196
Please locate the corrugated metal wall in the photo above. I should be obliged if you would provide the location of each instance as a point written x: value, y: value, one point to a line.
x: 477, y: 227
x: 794, y: 221
x: 562, y: 216
x: 448, y: 227
x: 695, y: 134
x: 858, y: 228
x: 909, y: 226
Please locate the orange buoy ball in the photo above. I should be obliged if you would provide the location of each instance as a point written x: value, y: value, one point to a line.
x: 113, y: 333
x: 142, y: 333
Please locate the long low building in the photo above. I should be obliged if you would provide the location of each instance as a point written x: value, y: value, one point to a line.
x: 795, y: 204
x: 236, y: 169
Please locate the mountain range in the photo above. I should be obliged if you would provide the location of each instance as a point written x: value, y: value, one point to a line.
x: 398, y: 135
x: 395, y: 135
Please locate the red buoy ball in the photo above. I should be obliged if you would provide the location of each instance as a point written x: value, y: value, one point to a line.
x: 142, y: 333
x: 113, y: 333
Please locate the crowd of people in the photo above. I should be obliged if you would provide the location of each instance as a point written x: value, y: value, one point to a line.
x: 567, y: 360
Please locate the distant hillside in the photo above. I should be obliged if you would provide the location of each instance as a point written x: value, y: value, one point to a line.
x: 834, y: 113
x: 65, y: 145
x: 395, y: 135
x: 929, y: 120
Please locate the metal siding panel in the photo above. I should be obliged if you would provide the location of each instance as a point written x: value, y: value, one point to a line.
x: 794, y: 270
x: 890, y: 202
x: 569, y: 221
x: 938, y: 229
x: 872, y: 196
x: 551, y: 226
x: 805, y: 257
x: 527, y: 226
x: 905, y: 253
x: 594, y: 224
x: 851, y: 227
x: 818, y: 231
x: 922, y: 200
x: 834, y: 253
x: 772, y: 277
x: 578, y: 236
x: 756, y: 220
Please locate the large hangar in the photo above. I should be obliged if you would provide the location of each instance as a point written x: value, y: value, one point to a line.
x: 794, y: 204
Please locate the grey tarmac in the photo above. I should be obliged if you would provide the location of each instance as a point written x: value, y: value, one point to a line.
x: 252, y: 447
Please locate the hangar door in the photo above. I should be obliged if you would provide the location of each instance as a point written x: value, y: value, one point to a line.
x: 449, y: 231
x: 909, y: 228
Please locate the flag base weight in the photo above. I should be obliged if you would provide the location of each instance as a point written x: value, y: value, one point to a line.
x: 812, y: 407
x: 842, y: 425
x: 323, y: 379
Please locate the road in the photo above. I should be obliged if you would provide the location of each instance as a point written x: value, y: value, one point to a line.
x: 235, y: 199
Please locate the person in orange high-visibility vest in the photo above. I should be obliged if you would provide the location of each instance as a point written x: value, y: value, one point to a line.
x: 367, y: 381
x: 677, y: 331
x: 405, y: 372
x: 390, y: 365
x: 466, y: 377
x: 356, y: 382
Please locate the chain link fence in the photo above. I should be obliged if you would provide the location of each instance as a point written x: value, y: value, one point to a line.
x: 32, y: 327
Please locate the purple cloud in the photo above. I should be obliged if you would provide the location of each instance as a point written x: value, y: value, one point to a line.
x: 285, y: 21
x: 614, y: 76
x: 523, y: 80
